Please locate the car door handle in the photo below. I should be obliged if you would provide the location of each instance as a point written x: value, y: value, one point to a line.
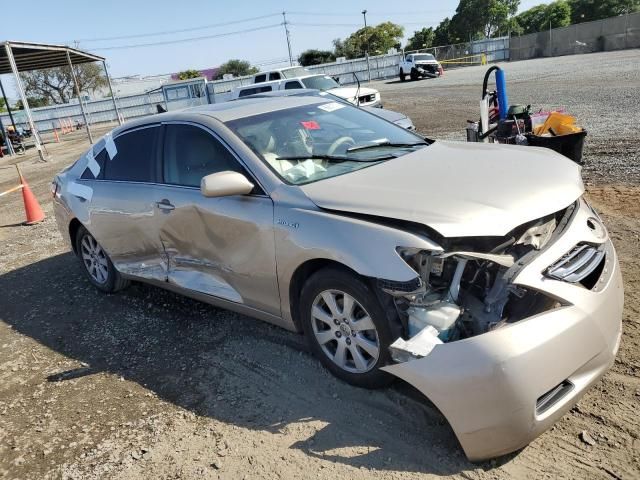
x: 165, y: 205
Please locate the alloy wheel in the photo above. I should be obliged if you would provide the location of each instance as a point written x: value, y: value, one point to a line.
x: 94, y: 259
x: 345, y: 331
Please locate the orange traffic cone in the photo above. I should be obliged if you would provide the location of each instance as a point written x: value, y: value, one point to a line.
x: 31, y: 206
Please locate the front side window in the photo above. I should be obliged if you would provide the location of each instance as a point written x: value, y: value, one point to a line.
x: 135, y: 160
x: 274, y: 76
x: 308, y: 143
x: 191, y: 153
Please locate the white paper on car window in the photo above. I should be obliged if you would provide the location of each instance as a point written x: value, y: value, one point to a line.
x: 330, y: 107
x: 81, y: 191
x: 92, y: 164
x: 110, y: 146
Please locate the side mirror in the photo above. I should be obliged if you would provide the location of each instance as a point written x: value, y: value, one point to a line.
x: 225, y: 184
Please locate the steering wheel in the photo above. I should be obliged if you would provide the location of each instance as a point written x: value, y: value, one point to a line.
x: 342, y: 141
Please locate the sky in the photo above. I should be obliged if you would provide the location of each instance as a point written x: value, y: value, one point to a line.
x: 94, y: 24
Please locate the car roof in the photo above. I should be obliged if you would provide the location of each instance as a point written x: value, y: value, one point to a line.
x: 231, y: 110
x: 247, y: 107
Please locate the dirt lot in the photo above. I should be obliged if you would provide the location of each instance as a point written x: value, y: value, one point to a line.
x: 147, y: 384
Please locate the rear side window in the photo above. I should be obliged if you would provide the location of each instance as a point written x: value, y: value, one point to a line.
x: 292, y: 85
x: 191, y: 153
x: 253, y: 91
x: 101, y: 159
x: 260, y: 78
x: 136, y: 157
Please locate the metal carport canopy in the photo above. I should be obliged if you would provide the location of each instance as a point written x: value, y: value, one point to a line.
x: 18, y: 57
x: 34, y: 56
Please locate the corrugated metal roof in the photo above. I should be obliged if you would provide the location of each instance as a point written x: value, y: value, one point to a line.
x: 34, y: 56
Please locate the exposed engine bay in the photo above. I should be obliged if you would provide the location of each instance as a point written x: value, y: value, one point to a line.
x: 466, y: 290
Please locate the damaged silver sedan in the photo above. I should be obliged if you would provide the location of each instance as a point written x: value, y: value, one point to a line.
x: 477, y: 273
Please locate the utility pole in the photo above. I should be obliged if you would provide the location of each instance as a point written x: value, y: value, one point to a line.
x: 286, y: 31
x: 366, y: 52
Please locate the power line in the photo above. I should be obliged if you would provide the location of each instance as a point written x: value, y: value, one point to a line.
x: 183, y: 30
x: 358, y: 25
x: 329, y: 14
x: 185, y: 40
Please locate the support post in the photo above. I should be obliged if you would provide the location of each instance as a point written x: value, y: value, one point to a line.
x: 10, y: 149
x: 25, y: 103
x: 84, y: 114
x: 6, y: 139
x: 6, y: 102
x: 286, y: 31
x: 366, y: 53
x: 113, y: 97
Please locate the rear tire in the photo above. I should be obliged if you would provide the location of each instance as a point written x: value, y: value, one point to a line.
x: 97, y: 265
x: 346, y: 327
x: 403, y: 77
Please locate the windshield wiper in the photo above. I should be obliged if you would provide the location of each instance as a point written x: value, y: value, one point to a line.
x: 385, y: 144
x: 336, y: 158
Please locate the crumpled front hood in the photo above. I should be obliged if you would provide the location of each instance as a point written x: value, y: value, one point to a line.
x: 458, y: 189
x: 349, y: 93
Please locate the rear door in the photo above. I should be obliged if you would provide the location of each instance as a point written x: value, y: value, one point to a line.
x: 222, y: 247
x: 122, y: 213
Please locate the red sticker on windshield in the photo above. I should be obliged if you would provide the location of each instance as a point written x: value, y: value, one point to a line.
x: 310, y: 125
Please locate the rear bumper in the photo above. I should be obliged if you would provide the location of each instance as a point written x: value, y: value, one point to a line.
x: 488, y: 386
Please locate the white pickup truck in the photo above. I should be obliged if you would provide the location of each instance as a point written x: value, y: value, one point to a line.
x: 299, y: 77
x: 419, y: 65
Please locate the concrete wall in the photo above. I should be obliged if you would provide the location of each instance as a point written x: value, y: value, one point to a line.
x: 615, y: 33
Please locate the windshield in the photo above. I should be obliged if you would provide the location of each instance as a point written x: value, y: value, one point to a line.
x: 294, y: 72
x: 310, y: 143
x: 320, y: 82
x: 423, y: 57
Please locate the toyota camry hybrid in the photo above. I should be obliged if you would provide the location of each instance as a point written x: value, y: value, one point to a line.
x: 477, y: 273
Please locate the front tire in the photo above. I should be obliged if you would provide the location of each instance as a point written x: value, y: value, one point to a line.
x: 346, y: 327
x: 97, y: 265
x: 414, y: 74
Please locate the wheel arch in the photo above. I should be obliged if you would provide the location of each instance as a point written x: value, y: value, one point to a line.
x: 301, y: 274
x: 74, y: 226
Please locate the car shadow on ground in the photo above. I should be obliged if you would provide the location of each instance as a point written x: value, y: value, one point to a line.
x: 225, y: 366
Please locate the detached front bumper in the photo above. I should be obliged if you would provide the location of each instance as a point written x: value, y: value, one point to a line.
x: 502, y: 389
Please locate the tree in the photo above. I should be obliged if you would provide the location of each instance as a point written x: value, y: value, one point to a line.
x: 588, y: 10
x: 441, y: 33
x: 2, y: 105
x: 34, y: 102
x: 315, y: 57
x: 56, y: 84
x: 421, y: 39
x: 538, y: 18
x: 187, y: 74
x: 482, y: 18
x: 379, y: 40
x: 237, y: 68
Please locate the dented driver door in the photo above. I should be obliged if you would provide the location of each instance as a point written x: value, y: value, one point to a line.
x: 223, y: 247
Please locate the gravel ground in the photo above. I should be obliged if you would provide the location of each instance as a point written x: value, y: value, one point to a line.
x: 600, y: 89
x: 148, y: 384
